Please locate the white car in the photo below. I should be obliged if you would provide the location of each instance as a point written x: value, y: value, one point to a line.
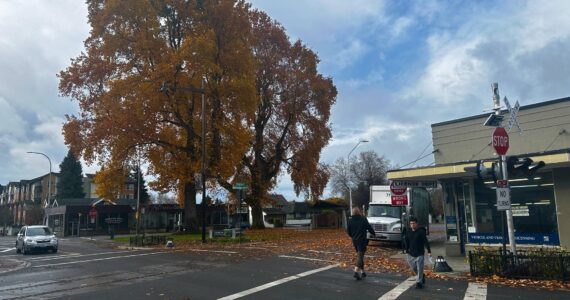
x: 35, y: 237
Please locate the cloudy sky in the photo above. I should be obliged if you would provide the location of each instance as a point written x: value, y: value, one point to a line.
x: 399, y: 66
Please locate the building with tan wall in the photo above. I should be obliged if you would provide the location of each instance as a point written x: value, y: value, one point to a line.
x: 540, y: 203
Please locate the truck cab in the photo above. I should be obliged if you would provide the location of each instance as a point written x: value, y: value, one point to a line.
x: 387, y: 219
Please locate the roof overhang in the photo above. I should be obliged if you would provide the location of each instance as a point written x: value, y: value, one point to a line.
x: 456, y: 170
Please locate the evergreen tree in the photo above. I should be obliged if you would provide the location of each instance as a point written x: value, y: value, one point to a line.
x: 140, y: 188
x: 70, y: 183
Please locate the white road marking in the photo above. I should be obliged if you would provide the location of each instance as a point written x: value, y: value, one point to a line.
x: 214, y: 251
x: 476, y: 291
x: 99, y: 259
x: 337, y: 253
x: 329, y: 252
x: 401, y: 288
x: 8, y: 250
x: 275, y: 283
x: 43, y: 258
x: 303, y: 258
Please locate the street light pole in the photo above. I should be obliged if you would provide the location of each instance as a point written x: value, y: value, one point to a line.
x: 138, y: 194
x: 49, y: 182
x: 203, y: 165
x: 348, y: 163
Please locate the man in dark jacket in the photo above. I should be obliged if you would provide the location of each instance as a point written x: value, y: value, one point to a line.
x: 357, y: 227
x: 415, y: 240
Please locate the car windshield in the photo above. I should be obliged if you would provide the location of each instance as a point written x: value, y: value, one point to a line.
x: 38, y: 231
x: 384, y: 211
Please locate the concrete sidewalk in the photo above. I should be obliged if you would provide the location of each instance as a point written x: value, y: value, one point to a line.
x: 459, y: 264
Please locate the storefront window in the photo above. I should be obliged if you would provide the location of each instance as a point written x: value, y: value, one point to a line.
x: 533, y: 206
x: 450, y: 213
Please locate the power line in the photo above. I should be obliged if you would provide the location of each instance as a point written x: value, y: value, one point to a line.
x: 419, y: 158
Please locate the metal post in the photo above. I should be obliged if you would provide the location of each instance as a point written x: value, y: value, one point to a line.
x: 348, y: 164
x: 503, y: 163
x: 138, y: 195
x: 350, y: 198
x: 203, y: 164
x: 509, y: 212
x: 49, y: 182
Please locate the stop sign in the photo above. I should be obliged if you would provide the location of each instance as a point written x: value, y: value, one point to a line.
x: 93, y: 212
x: 397, y: 190
x: 500, y: 140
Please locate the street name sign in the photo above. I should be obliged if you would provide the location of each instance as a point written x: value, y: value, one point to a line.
x: 503, y: 195
x: 240, y: 186
x: 415, y: 183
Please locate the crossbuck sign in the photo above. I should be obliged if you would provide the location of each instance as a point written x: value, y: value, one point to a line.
x: 513, y: 115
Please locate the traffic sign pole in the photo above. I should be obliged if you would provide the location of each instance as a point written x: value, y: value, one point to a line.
x: 509, y: 212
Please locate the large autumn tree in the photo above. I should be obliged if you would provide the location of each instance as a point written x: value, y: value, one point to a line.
x: 190, y: 49
x: 292, y: 116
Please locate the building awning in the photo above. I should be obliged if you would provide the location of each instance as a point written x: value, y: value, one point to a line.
x: 456, y: 170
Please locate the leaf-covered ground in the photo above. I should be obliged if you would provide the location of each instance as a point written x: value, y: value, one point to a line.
x: 334, y: 246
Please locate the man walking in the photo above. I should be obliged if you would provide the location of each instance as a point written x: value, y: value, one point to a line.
x: 357, y: 227
x: 415, y: 240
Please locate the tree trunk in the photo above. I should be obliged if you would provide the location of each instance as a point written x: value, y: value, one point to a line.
x: 256, y: 208
x: 257, y: 216
x: 190, y: 216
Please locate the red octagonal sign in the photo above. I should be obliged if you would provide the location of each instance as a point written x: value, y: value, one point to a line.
x: 500, y: 140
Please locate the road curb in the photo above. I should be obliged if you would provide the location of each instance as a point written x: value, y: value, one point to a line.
x: 11, y: 264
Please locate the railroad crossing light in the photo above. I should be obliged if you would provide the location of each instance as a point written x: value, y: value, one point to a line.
x: 523, y: 166
x: 483, y: 172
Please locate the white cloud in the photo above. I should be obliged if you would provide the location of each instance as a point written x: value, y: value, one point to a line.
x: 401, y: 25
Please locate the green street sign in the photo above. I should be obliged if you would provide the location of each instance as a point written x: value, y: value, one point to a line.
x: 240, y: 186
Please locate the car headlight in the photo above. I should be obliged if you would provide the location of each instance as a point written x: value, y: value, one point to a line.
x: 28, y: 240
x: 53, y: 241
x: 396, y: 229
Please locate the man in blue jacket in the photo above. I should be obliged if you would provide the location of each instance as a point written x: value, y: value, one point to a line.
x: 415, y: 240
x: 357, y: 227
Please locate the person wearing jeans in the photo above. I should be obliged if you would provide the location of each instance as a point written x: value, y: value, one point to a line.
x: 415, y: 240
x: 357, y: 227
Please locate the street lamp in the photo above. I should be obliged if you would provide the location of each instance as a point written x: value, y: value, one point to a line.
x: 49, y: 182
x: 348, y: 162
x: 164, y: 87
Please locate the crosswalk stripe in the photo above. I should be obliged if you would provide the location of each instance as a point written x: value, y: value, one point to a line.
x: 401, y: 288
x: 276, y: 282
x: 8, y: 250
x: 476, y: 291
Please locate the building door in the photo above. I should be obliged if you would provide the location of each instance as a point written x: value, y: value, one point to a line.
x: 462, y: 227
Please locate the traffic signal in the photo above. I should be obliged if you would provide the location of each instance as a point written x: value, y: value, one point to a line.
x: 483, y: 172
x: 523, y: 166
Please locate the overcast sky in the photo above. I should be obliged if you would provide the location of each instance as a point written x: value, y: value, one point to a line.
x: 399, y: 66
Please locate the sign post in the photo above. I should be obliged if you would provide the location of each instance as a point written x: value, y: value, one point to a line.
x: 500, y: 142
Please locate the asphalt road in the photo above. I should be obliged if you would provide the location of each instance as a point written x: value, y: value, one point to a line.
x: 85, y: 269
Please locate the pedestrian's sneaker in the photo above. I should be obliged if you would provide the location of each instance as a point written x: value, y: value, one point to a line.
x: 363, y: 275
x: 357, y: 276
x: 419, y: 285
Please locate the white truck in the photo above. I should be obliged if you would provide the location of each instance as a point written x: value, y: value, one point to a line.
x: 387, y: 220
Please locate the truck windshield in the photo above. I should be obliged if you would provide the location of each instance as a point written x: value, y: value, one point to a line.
x: 384, y: 211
